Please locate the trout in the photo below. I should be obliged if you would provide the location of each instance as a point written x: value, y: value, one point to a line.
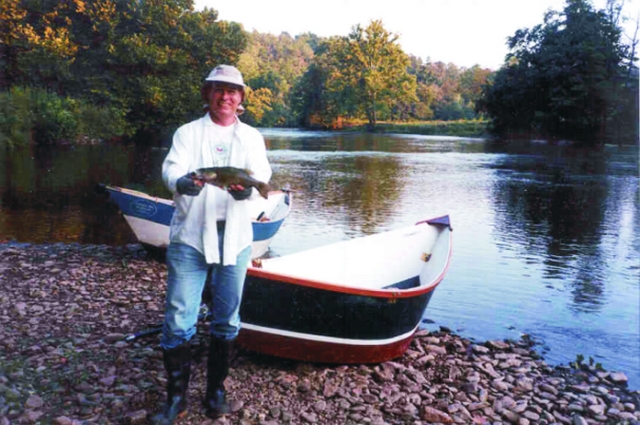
x: 227, y: 176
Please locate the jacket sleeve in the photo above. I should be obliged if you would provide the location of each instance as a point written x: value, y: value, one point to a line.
x: 178, y: 160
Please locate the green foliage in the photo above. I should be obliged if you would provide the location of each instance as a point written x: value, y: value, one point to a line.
x: 271, y: 65
x: 36, y: 116
x: 54, y: 118
x: 103, y: 123
x: 446, y: 92
x: 146, y: 59
x: 362, y: 75
x: 564, y: 78
x: 374, y: 67
x: 317, y: 105
x: 110, y: 68
x: 134, y: 68
x: 15, y: 117
x: 41, y: 117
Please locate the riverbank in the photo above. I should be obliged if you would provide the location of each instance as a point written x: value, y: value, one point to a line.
x: 457, y: 128
x: 65, y: 309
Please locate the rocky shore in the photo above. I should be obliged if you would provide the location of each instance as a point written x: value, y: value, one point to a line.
x: 65, y: 309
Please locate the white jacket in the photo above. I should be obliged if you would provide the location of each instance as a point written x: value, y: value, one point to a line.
x: 194, y: 220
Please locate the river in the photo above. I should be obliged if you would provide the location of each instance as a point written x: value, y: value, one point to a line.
x: 546, y: 238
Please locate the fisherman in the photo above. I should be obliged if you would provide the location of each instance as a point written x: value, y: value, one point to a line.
x: 210, y: 239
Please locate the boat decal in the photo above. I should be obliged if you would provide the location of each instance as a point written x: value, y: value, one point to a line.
x: 142, y: 208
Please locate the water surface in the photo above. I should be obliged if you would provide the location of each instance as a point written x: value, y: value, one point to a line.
x: 546, y: 239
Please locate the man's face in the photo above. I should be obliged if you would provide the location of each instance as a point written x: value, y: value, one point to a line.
x: 224, y: 100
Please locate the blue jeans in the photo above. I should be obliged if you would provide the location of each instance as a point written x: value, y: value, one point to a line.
x: 188, y: 273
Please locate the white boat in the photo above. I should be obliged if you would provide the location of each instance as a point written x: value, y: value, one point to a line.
x: 149, y: 217
x: 356, y: 301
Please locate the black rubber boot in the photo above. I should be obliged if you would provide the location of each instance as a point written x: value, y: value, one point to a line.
x: 215, y: 402
x: 177, y: 362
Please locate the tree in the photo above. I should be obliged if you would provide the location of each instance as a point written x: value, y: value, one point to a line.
x: 374, y: 66
x: 159, y: 55
x: 563, y: 77
x: 275, y: 64
x: 319, y: 98
x: 37, y: 42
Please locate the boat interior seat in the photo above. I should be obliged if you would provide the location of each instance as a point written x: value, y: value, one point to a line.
x: 413, y: 282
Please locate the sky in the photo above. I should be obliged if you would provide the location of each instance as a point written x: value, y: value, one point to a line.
x: 462, y: 32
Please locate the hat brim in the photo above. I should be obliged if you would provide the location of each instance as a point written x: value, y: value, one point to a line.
x: 223, y: 79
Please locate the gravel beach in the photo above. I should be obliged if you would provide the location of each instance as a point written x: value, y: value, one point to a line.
x: 66, y: 308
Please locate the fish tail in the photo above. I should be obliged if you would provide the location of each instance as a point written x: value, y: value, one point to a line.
x: 264, y: 189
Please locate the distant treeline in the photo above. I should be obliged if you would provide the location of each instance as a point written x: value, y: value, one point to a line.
x: 132, y: 70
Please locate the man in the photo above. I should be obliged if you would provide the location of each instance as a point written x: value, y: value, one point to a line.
x: 210, y: 239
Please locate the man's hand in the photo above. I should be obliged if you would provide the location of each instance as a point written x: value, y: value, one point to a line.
x: 188, y: 186
x: 239, y: 192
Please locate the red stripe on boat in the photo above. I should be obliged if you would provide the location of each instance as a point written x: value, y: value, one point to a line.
x: 319, y: 351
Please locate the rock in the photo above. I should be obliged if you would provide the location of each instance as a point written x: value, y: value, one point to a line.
x: 312, y: 418
x: 435, y: 349
x: 618, y: 377
x: 34, y: 402
x: 137, y: 417
x: 596, y: 409
x: 525, y: 384
x: 512, y: 417
x: 114, y: 337
x: 549, y: 389
x: 383, y: 373
x: 108, y: 381
x: 575, y: 407
x: 330, y: 389
x: 579, y: 420
x: 236, y: 405
x: 627, y: 416
x: 498, y: 345
x: 320, y: 406
x: 430, y: 414
x: 31, y: 416
x: 501, y: 386
x: 479, y: 349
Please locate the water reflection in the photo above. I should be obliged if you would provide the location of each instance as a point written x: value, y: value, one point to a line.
x: 546, y: 239
x: 557, y: 205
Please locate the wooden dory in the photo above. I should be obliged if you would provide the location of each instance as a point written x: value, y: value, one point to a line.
x: 357, y: 301
x: 149, y: 217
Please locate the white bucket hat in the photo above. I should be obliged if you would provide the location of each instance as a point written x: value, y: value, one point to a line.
x: 226, y: 74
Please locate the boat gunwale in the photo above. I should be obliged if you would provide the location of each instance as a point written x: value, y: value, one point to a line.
x: 170, y: 202
x: 391, y: 293
x: 138, y: 194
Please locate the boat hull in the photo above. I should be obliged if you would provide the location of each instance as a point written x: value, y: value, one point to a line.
x: 311, y: 324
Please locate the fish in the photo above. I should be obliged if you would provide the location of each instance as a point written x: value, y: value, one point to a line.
x: 224, y: 177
